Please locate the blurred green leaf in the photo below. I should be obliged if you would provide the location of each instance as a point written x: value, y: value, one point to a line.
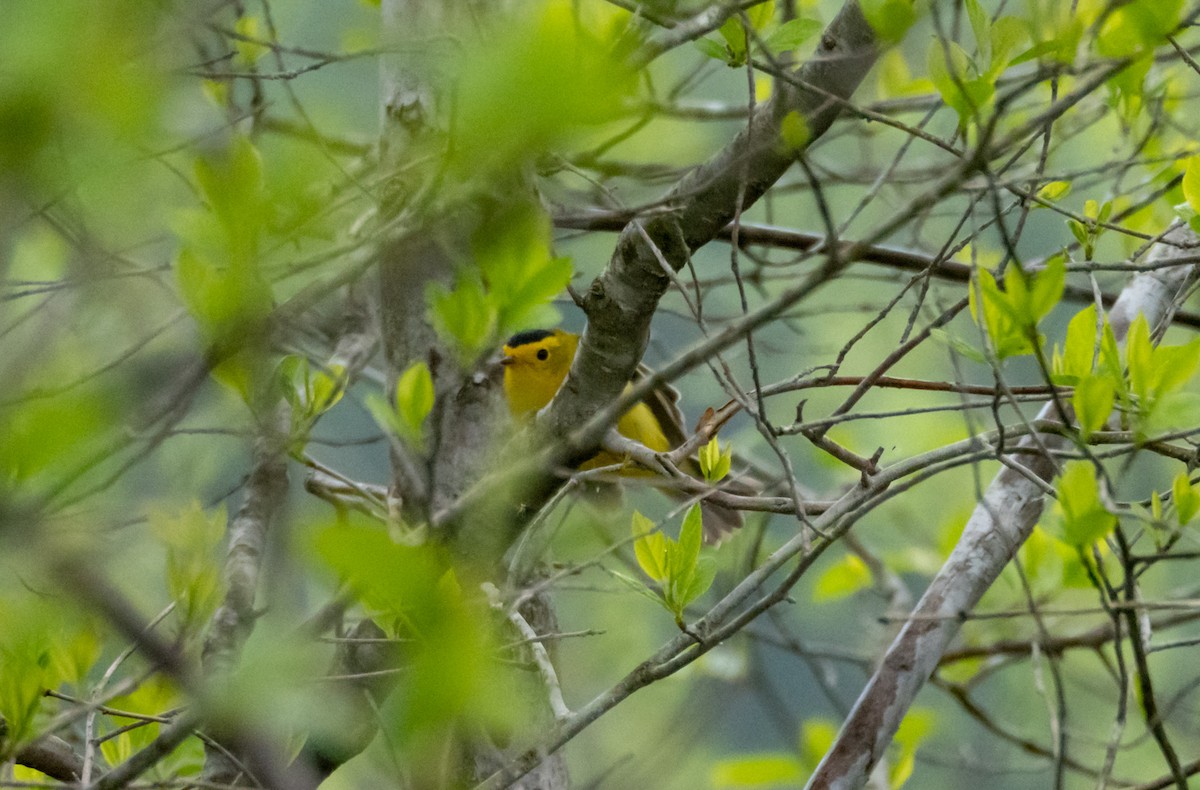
x: 414, y: 400
x: 1185, y: 497
x: 715, y: 462
x: 735, y: 39
x: 534, y: 83
x: 522, y: 276
x: 650, y: 548
x: 249, y: 51
x: 842, y: 579
x: 1191, y: 183
x: 713, y: 49
x: 890, y: 19
x: 764, y: 770
x: 1055, y: 190
x: 464, y: 316
x: 1081, y: 514
x: 792, y: 34
x: 191, y: 538
x: 1093, y: 403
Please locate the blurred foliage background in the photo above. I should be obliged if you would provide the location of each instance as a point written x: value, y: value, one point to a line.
x: 187, y: 190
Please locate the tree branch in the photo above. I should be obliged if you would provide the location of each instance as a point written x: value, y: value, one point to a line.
x: 622, y: 300
x: 999, y: 525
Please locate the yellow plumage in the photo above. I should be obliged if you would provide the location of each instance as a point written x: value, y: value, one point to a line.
x: 535, y: 366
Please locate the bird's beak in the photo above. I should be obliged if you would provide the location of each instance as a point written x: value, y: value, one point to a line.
x: 506, y: 361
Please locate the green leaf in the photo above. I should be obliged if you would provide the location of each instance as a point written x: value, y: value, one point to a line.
x: 1084, y: 518
x: 1191, y: 183
x: 1186, y: 499
x: 761, y: 15
x: 842, y: 579
x: 1047, y: 288
x: 521, y: 273
x: 249, y: 51
x: 1007, y: 34
x: 1174, y: 366
x: 792, y: 34
x: 890, y: 19
x: 1055, y: 190
x: 701, y: 579
x: 1079, y: 346
x: 735, y: 38
x: 464, y: 316
x: 684, y: 556
x: 1174, y: 411
x: 981, y: 27
x: 1139, y: 354
x: 715, y: 463
x: 816, y: 736
x: 713, y: 49
x: 650, y: 548
x: 414, y: 399
x: 763, y: 770
x: 384, y: 413
x: 958, y: 81
x: 1093, y: 403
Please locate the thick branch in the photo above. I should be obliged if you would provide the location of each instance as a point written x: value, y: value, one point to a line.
x: 622, y: 300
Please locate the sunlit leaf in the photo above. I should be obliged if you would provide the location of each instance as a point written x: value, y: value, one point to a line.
x: 842, y: 579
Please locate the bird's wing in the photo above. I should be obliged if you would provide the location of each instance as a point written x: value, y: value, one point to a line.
x: 663, y: 402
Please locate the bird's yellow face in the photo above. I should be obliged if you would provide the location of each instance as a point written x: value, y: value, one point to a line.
x: 535, y: 364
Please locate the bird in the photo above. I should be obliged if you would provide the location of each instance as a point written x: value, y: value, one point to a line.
x: 535, y: 365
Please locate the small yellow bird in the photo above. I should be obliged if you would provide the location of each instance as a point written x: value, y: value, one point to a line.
x: 536, y: 363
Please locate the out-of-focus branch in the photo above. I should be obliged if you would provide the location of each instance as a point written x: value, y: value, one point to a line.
x: 49, y: 754
x: 231, y: 624
x: 999, y: 525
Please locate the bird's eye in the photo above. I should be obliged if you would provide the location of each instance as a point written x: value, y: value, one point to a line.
x: 543, y: 354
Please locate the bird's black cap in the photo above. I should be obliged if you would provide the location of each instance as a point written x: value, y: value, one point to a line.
x: 528, y: 336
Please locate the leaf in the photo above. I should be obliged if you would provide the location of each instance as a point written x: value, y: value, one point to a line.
x: 463, y: 316
x: 842, y: 579
x: 735, y: 38
x: 1175, y: 411
x: 1047, y: 289
x: 522, y: 275
x: 1093, y: 403
x: 249, y: 51
x: 715, y: 463
x: 763, y: 770
x: 981, y: 27
x: 1191, y: 183
x: 685, y: 554
x: 1138, y: 356
x: 792, y: 34
x: 1079, y: 348
x: 1186, y: 499
x: 1084, y: 518
x: 760, y: 15
x: 701, y: 579
x: 890, y: 19
x: 414, y: 399
x: 713, y: 49
x: 816, y: 736
x: 1174, y: 366
x: 1055, y: 190
x: 383, y: 413
x: 650, y: 548
x: 1007, y: 34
